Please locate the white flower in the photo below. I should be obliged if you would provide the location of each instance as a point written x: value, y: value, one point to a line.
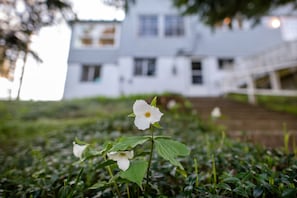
x: 171, y: 104
x: 145, y: 114
x: 122, y: 158
x: 216, y: 112
x: 78, y: 149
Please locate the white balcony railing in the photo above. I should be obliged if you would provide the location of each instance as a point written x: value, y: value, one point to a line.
x: 251, y: 67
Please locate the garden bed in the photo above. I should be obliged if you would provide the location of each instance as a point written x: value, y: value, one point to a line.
x: 37, y: 160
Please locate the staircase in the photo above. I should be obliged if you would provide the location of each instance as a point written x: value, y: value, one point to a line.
x: 248, y: 122
x: 283, y: 56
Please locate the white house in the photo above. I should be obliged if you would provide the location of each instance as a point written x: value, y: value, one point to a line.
x: 156, y: 50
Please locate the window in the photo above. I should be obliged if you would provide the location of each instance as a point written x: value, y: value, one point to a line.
x: 144, y: 67
x: 90, y: 73
x: 197, y: 73
x: 86, y: 40
x: 107, y: 36
x: 148, y: 25
x: 101, y: 35
x: 174, y: 26
x: 225, y: 63
x: 86, y: 37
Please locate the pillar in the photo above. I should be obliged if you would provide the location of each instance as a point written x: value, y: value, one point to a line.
x: 251, y: 90
x: 274, y: 80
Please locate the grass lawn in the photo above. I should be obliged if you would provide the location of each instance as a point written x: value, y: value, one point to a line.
x: 37, y: 161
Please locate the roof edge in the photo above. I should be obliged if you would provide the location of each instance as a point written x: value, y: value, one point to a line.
x: 76, y: 21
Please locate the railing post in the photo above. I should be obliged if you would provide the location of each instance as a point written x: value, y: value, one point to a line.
x: 274, y: 81
x: 251, y: 90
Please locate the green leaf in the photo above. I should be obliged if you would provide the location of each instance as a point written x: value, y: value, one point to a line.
x: 240, y: 191
x: 154, y: 102
x: 157, y: 125
x: 170, y: 149
x: 64, y: 191
x: 127, y: 143
x: 104, y: 164
x: 106, y: 147
x: 224, y: 186
x: 99, y: 185
x: 231, y: 180
x: 78, y: 141
x: 258, y: 191
x: 159, y: 136
x: 135, y: 172
x: 91, y: 153
x: 289, y: 192
x: 182, y: 172
x: 131, y: 115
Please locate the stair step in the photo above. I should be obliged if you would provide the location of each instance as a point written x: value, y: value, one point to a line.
x: 257, y: 125
x: 252, y: 122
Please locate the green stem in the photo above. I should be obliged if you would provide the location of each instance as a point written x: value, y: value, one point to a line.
x: 214, y: 172
x: 150, y: 160
x: 196, y: 172
x: 128, y: 191
x: 115, y: 184
x: 76, y: 182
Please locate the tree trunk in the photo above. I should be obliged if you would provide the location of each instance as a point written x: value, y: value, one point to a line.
x: 23, y: 71
x: 2, y: 58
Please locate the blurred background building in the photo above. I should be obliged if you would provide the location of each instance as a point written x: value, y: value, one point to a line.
x: 156, y: 50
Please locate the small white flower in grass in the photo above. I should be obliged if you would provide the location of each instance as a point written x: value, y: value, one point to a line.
x: 171, y: 104
x: 78, y: 150
x: 216, y: 113
x: 145, y: 114
x: 122, y: 158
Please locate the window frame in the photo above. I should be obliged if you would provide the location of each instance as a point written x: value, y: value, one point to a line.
x: 197, y: 73
x: 147, y: 27
x: 174, y: 26
x: 90, y: 73
x: 144, y: 67
x: 225, y: 63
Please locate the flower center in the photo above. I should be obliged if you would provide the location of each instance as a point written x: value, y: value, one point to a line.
x: 147, y: 114
x: 122, y: 154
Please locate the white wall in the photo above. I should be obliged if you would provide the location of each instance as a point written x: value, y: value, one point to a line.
x: 166, y: 81
x: 107, y: 86
x: 163, y: 81
x: 289, y: 28
x: 119, y: 79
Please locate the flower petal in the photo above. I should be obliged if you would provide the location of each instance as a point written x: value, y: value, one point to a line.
x: 141, y: 122
x: 123, y: 164
x: 216, y: 112
x: 139, y: 107
x: 130, y: 154
x: 113, y: 156
x: 78, y: 149
x: 155, y: 115
x: 120, y: 155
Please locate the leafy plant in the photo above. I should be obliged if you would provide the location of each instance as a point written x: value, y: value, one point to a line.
x: 37, y: 161
x: 122, y: 151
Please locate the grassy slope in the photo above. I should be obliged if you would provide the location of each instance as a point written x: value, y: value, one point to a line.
x: 26, y: 120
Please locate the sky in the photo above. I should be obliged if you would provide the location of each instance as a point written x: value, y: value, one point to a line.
x: 45, y: 81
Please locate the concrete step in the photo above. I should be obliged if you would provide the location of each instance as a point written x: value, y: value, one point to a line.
x: 248, y: 115
x: 247, y: 122
x: 258, y: 125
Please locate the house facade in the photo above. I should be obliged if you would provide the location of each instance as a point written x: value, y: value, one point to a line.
x: 156, y: 50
